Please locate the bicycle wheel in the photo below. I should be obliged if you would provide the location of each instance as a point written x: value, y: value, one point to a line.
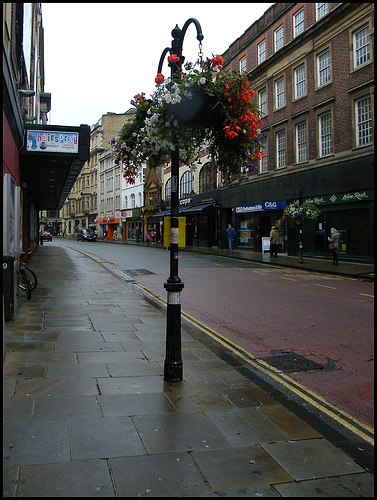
x: 32, y: 278
x: 24, y: 282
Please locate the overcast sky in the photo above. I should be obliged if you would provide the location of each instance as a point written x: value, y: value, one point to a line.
x: 99, y: 55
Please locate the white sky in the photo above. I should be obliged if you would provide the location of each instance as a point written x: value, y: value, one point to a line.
x: 99, y: 55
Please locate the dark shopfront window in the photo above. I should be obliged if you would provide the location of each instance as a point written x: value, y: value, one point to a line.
x: 353, y: 225
x: 356, y: 223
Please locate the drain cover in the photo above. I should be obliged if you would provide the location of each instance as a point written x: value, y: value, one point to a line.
x: 291, y: 362
x: 138, y: 272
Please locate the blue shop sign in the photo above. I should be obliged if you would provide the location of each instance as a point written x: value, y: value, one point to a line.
x: 260, y: 207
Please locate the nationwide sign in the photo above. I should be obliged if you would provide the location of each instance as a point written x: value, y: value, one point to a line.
x: 52, y: 141
x: 260, y: 207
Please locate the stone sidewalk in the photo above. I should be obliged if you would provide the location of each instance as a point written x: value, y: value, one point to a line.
x: 87, y: 412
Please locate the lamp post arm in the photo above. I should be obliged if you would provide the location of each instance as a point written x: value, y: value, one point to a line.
x: 199, y: 34
x: 162, y: 58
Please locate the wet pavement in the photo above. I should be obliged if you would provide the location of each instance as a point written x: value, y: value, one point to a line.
x: 87, y: 412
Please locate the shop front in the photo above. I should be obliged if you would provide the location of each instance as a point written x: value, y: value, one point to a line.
x: 254, y: 222
x: 110, y: 228
x: 352, y: 214
x: 201, y: 220
x: 132, y: 224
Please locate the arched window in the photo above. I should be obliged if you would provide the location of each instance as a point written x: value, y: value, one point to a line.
x: 133, y: 202
x: 125, y: 202
x: 140, y: 200
x: 187, y: 184
x: 207, y: 178
x: 168, y: 190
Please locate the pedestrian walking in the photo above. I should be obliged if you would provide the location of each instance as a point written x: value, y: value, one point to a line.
x: 334, y: 244
x: 104, y: 234
x: 147, y: 237
x: 153, y: 236
x: 274, y: 241
x: 137, y: 235
x: 231, y: 235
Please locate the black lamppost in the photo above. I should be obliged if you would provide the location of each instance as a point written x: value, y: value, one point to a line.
x: 299, y: 195
x: 173, y: 366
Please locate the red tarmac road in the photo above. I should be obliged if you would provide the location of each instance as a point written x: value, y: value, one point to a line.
x: 328, y: 319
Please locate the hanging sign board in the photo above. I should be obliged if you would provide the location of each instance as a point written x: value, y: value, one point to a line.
x: 52, y: 141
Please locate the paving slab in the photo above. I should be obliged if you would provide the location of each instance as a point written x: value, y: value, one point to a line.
x: 245, y: 426
x: 35, y: 442
x: 355, y: 485
x: 51, y: 386
x: 170, y: 474
x: 86, y: 478
x: 178, y: 432
x: 135, y: 404
x: 105, y: 437
x: 312, y: 458
x: 234, y: 468
x: 65, y: 407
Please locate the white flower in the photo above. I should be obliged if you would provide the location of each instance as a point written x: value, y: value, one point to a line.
x: 202, y: 80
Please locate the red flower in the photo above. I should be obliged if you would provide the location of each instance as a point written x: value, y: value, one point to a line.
x: 173, y: 58
x: 159, y: 78
x: 218, y: 61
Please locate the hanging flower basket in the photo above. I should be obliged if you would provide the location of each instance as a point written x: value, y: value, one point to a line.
x: 198, y: 110
x: 304, y: 211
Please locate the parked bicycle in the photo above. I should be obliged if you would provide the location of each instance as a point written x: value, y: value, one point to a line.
x: 27, y: 279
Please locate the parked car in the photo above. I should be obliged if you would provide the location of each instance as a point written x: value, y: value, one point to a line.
x: 46, y: 236
x: 85, y: 235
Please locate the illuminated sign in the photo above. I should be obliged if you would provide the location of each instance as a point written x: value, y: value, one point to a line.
x: 52, y: 142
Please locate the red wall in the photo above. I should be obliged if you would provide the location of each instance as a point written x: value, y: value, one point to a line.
x: 10, y: 153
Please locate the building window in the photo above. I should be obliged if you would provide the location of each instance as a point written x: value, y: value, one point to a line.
x: 187, y: 184
x: 102, y: 186
x: 242, y: 65
x: 325, y: 135
x: 298, y: 23
x: 117, y: 202
x: 168, y: 190
x: 262, y: 98
x: 109, y: 184
x: 323, y: 67
x: 133, y: 200
x: 126, y: 202
x: 261, y: 51
x: 207, y: 178
x: 263, y: 164
x: 281, y: 149
x: 140, y: 200
x: 279, y: 37
x: 361, y: 46
x: 364, y: 121
x: 280, y: 93
x: 300, y: 81
x: 301, y: 143
x: 321, y: 9
x: 117, y: 181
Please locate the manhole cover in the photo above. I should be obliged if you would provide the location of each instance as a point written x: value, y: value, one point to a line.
x: 138, y: 272
x: 291, y: 362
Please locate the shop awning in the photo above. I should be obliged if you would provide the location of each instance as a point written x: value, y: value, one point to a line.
x: 190, y: 210
x: 196, y: 209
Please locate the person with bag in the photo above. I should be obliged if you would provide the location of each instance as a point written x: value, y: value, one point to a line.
x: 274, y: 241
x: 334, y: 244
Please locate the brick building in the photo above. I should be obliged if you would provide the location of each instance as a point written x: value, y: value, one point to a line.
x: 311, y: 65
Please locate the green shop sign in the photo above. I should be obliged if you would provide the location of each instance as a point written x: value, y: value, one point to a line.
x: 333, y: 199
